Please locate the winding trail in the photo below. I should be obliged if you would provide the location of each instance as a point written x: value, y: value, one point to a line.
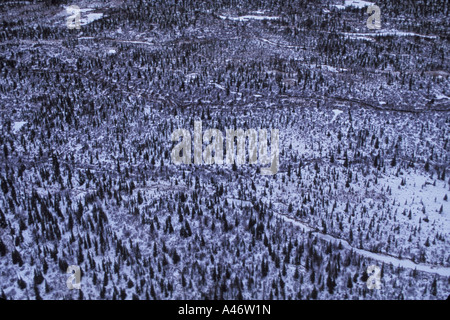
x: 404, y: 263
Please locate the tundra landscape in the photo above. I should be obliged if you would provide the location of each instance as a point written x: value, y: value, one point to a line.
x: 88, y: 116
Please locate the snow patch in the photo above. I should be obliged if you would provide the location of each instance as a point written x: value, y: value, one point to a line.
x: 333, y: 69
x: 354, y: 3
x: 336, y: 112
x: 441, y: 96
x: 359, y: 37
x: 90, y: 17
x: 86, y: 17
x: 249, y: 17
x: 384, y: 33
x: 18, y: 125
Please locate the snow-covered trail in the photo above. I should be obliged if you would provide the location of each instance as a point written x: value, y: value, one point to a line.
x: 404, y: 263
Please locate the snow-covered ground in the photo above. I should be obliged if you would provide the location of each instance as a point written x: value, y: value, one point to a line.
x: 440, y: 96
x: 86, y: 176
x: 336, y: 112
x: 404, y: 263
x: 18, y: 125
x: 86, y: 15
x: 384, y: 33
x: 354, y: 3
x: 249, y: 17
